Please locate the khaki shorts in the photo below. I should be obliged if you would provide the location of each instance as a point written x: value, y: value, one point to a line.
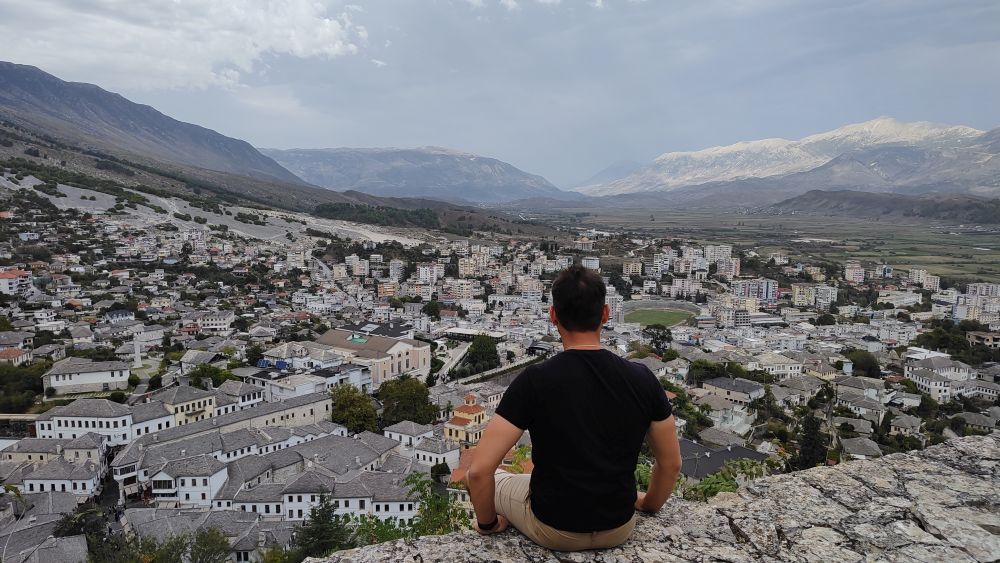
x: 512, y: 500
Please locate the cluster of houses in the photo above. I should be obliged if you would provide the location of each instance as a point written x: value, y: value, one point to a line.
x: 253, y: 454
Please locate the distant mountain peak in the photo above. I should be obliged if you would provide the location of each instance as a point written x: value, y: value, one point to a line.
x: 429, y: 172
x: 888, y: 130
x: 777, y: 157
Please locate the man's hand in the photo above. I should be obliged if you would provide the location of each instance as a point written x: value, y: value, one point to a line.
x: 640, y: 499
x: 501, y: 526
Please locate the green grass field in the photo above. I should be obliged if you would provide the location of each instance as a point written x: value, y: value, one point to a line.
x: 665, y: 317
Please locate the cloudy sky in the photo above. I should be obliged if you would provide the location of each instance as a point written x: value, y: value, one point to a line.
x: 559, y: 88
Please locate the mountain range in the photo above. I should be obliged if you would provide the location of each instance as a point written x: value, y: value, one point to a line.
x: 430, y: 172
x: 83, y: 127
x: 82, y: 123
x: 778, y: 157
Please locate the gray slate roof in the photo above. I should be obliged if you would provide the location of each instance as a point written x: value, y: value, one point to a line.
x: 409, y: 428
x: 60, y: 469
x: 200, y: 466
x: 435, y: 446
x: 83, y: 365
x: 91, y: 408
x: 738, y: 384
x: 861, y: 446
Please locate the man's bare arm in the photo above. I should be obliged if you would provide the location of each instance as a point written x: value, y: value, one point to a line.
x: 662, y: 438
x: 498, y: 438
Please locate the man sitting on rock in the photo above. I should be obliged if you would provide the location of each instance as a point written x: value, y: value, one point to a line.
x: 587, y: 411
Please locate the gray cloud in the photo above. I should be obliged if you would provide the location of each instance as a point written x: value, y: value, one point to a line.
x: 557, y: 88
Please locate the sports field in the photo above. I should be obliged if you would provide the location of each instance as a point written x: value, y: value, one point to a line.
x: 665, y: 317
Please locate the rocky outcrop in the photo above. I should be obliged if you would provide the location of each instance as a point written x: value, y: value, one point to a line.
x: 940, y: 504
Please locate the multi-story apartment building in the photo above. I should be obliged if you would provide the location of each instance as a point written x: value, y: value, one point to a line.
x: 854, y: 272
x: 764, y: 289
x: 616, y: 305
x: 632, y: 268
x: 15, y: 282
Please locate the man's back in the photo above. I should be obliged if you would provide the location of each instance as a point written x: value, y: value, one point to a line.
x: 588, y: 412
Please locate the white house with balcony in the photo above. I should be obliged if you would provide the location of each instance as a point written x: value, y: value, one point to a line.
x: 190, y: 482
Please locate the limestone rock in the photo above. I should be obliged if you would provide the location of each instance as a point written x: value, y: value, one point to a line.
x: 940, y: 504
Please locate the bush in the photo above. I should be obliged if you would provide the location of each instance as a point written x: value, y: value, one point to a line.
x: 118, y: 397
x: 440, y: 470
x: 50, y: 391
x: 133, y: 380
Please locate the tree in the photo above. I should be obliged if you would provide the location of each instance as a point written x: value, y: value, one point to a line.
x: 133, y: 380
x: 406, y: 398
x: 155, y: 382
x: 957, y: 425
x: 85, y: 519
x: 928, y: 407
x: 437, y: 513
x: 440, y: 470
x: 275, y: 554
x: 254, y: 354
x: 766, y: 407
x: 353, y: 409
x: 482, y: 354
x: 702, y: 370
x: 620, y: 284
x: 200, y: 375
x: 812, y: 444
x: 432, y: 309
x: 864, y: 362
x: 369, y: 529
x: 209, y: 546
x: 324, y: 531
x: 825, y: 319
x: 121, y: 549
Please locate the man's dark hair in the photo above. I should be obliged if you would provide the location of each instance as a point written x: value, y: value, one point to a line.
x: 578, y: 298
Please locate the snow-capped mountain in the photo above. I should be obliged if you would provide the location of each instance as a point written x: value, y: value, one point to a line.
x: 779, y: 157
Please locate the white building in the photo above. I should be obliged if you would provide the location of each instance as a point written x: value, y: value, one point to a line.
x: 408, y: 433
x: 189, y: 482
x: 15, y: 282
x: 79, y: 375
x: 82, y: 416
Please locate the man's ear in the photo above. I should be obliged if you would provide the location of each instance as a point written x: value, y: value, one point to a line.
x: 552, y: 316
x: 605, y: 314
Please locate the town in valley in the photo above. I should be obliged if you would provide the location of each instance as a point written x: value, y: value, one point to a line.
x: 174, y: 373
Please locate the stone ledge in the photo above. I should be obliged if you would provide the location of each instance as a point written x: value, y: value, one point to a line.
x: 939, y: 504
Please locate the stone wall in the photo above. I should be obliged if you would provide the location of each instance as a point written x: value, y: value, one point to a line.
x: 940, y: 504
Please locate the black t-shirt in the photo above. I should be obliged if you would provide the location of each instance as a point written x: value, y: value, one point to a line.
x: 588, y: 412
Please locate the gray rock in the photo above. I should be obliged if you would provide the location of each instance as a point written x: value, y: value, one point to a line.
x: 940, y: 504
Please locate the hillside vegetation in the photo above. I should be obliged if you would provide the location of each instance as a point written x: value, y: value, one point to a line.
x: 958, y: 208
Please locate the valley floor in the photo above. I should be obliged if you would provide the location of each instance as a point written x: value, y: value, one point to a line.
x: 960, y: 252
